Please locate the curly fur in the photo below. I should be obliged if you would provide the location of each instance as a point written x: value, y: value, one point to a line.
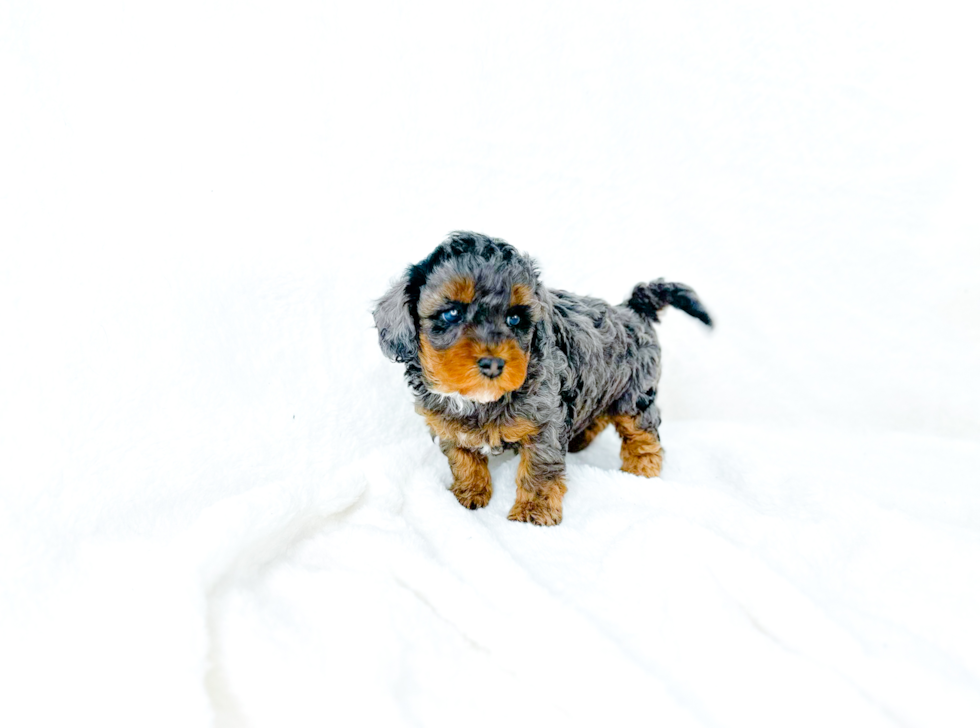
x: 587, y: 363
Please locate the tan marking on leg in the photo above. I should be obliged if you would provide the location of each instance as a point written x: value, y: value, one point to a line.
x: 471, y: 477
x: 538, y: 501
x: 520, y: 430
x: 641, y: 451
x: 586, y: 436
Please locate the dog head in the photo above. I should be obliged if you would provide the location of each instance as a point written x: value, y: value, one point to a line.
x: 467, y: 314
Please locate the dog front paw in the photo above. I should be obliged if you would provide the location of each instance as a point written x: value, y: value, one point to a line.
x: 473, y: 497
x: 647, y: 465
x: 542, y: 507
x: 538, y: 512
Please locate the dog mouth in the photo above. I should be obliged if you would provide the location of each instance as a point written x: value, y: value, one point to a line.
x: 492, y: 379
x: 476, y: 372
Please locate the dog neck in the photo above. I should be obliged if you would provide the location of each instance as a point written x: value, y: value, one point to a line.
x: 456, y: 404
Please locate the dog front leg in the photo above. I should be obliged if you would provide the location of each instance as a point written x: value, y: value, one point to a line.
x: 471, y: 476
x: 540, y: 485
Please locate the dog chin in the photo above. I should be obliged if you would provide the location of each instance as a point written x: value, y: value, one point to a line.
x: 483, y: 397
x: 466, y: 402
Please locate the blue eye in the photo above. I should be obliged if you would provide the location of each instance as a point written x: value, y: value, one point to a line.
x: 451, y: 316
x: 513, y: 320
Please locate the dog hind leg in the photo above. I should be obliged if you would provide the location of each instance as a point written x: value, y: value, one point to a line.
x: 583, y: 439
x: 641, y: 450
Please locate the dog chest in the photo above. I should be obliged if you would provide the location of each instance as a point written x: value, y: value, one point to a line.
x: 490, y: 437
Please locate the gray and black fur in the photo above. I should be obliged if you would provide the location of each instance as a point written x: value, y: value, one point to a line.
x: 587, y: 359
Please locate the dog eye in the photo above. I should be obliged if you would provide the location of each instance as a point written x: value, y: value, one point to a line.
x: 451, y: 316
x: 513, y: 320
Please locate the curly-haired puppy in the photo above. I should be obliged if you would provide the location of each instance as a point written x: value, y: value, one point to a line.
x: 496, y: 361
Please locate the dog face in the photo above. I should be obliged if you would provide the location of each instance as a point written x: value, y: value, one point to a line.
x: 467, y: 315
x: 475, y: 333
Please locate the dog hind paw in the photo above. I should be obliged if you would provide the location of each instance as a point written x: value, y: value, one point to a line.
x: 647, y: 465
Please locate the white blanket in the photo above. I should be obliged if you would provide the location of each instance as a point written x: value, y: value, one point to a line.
x: 217, y: 504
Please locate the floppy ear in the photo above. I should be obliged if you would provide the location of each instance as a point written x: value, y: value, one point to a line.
x: 396, y: 326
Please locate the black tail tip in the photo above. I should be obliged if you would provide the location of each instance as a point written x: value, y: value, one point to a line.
x: 687, y: 301
x: 648, y: 299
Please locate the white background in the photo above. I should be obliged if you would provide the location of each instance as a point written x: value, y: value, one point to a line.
x: 216, y: 503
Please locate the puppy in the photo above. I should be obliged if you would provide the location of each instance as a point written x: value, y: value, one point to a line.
x: 497, y: 361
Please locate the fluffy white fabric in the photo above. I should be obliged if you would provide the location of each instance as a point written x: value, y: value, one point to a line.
x: 218, y: 506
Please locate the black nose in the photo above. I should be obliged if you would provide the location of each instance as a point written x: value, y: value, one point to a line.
x: 491, y: 366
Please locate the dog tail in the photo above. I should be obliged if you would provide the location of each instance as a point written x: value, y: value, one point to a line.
x: 649, y: 298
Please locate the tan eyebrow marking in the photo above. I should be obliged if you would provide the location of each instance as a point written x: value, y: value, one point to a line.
x: 457, y: 289
x: 520, y: 295
x: 460, y: 289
